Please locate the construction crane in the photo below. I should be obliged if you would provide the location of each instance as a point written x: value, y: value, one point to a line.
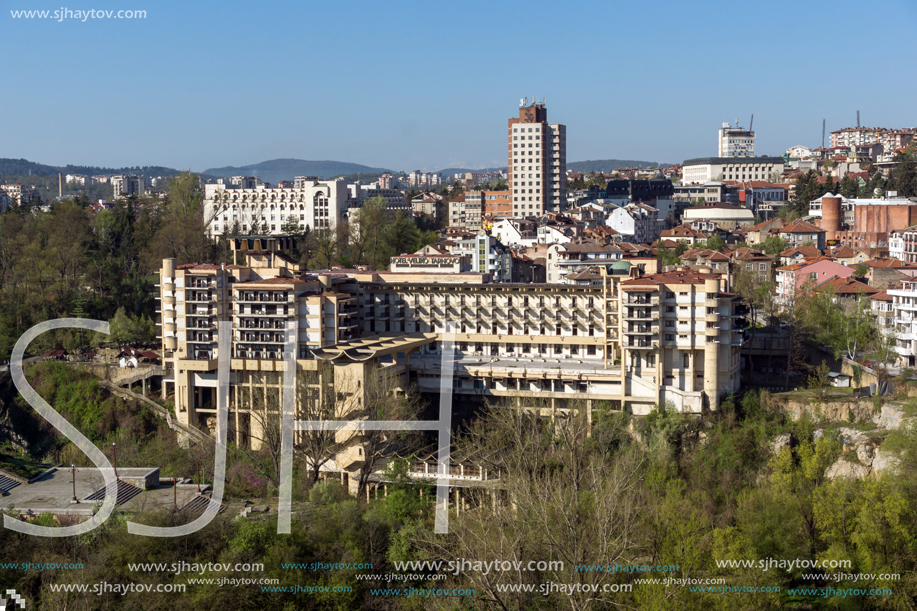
x: 752, y: 122
x: 823, y: 133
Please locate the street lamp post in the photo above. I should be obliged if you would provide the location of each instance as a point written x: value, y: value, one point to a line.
x: 114, y: 449
x: 198, y: 465
x: 73, y: 473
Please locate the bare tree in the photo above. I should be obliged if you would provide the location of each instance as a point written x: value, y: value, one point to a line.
x: 569, y: 493
x: 316, y: 401
x: 383, y: 399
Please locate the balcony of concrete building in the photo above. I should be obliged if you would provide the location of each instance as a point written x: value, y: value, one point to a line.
x: 640, y: 314
x: 200, y: 338
x: 711, y: 303
x: 258, y: 323
x: 199, y: 311
x: 263, y: 310
x: 640, y: 329
x: 259, y: 297
x: 634, y: 299
x: 197, y: 297
x: 202, y: 283
x: 259, y: 338
x: 255, y: 352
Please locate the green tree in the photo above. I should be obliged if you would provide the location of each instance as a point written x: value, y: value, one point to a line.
x: 774, y: 245
x: 715, y: 242
x: 800, y: 471
x: 904, y: 174
x: 848, y: 186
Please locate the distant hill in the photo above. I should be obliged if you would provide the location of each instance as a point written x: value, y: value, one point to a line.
x: 26, y: 167
x: 275, y: 170
x: 609, y: 165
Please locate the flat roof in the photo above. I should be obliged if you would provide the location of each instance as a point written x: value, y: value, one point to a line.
x: 730, y: 160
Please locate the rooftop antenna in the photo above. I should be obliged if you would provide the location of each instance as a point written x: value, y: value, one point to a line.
x: 858, y: 118
x: 823, y: 133
x: 752, y: 122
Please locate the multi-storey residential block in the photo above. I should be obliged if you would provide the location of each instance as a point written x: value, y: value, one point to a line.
x: 800, y: 232
x: 17, y: 194
x: 469, y: 209
x: 317, y: 204
x: 487, y: 254
x: 497, y: 203
x: 629, y: 340
x: 387, y: 181
x: 427, y: 204
x: 902, y: 244
x: 537, y: 161
x: 125, y: 186
x: 754, y: 262
x: 565, y: 259
x: 420, y: 179
x: 904, y: 307
x: 735, y: 141
x: 637, y: 223
x: 791, y: 278
x: 851, y: 136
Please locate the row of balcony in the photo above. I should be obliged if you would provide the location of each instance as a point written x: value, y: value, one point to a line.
x: 200, y: 297
x: 263, y: 312
x: 259, y: 324
x: 264, y: 297
x: 201, y: 312
x: 195, y: 283
x: 261, y: 338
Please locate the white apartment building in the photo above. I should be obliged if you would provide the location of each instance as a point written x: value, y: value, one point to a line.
x: 852, y: 136
x: 466, y: 210
x: 17, y: 194
x: 904, y: 307
x: 488, y: 256
x: 735, y: 141
x: 421, y: 179
x: 708, y: 169
x: 799, y: 151
x: 515, y: 231
x: 902, y: 244
x: 565, y: 259
x: 314, y: 203
x: 125, y: 186
x: 637, y: 223
x: 537, y: 156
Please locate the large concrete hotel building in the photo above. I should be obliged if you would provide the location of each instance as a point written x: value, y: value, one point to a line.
x: 626, y: 339
x: 252, y: 207
x: 537, y: 161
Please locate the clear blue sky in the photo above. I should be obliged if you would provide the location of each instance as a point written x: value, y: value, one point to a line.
x: 427, y: 85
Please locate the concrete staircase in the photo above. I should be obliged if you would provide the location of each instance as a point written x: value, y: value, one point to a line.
x: 125, y: 493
